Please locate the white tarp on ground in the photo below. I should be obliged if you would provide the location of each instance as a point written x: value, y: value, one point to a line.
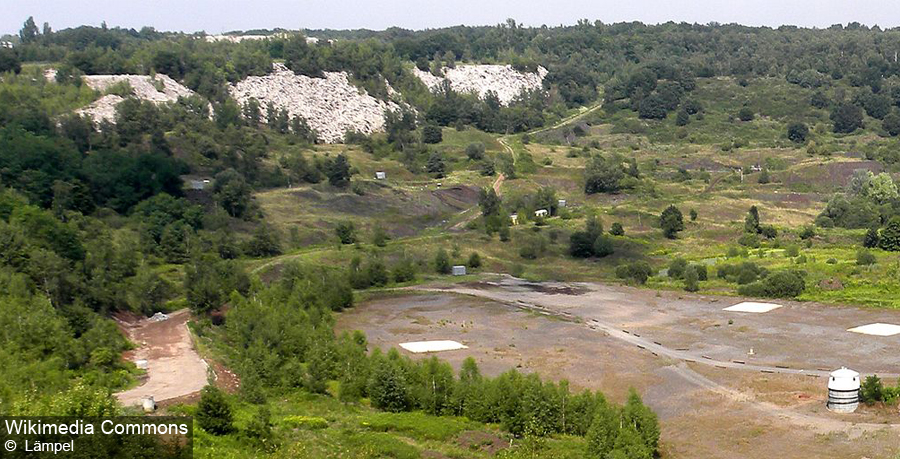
x: 878, y: 329
x: 432, y: 346
x: 750, y: 306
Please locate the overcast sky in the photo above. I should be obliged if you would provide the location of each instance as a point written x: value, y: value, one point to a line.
x: 216, y: 16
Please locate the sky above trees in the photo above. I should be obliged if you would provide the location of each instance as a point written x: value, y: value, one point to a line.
x: 216, y: 16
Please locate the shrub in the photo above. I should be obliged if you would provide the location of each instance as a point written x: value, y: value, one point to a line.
x: 638, y: 271
x: 782, y: 284
x: 475, y: 151
x: 792, y: 251
x: 617, y: 229
x: 442, y: 262
x: 693, y: 215
x: 213, y: 412
x: 864, y: 258
x: 581, y: 244
x: 677, y: 268
x: 745, y: 114
x: 346, y: 232
x: 691, y: 279
x: 603, y: 246
x: 749, y: 240
x: 474, y: 260
x: 702, y: 272
x: 807, y: 232
x: 831, y: 261
x: 503, y: 232
x: 404, y: 271
x: 768, y: 231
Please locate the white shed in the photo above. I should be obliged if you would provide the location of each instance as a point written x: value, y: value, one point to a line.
x: 459, y: 270
x: 541, y: 213
x: 561, y: 203
x: 843, y: 390
x: 514, y: 218
x: 380, y: 175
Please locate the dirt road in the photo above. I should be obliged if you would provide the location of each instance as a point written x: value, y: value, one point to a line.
x: 175, y: 368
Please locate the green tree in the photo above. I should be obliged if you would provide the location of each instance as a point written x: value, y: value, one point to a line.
x: 346, y: 232
x: 435, y: 165
x: 602, y: 176
x: 489, y: 202
x: 797, y: 132
x: 29, y: 32
x: 890, y: 235
x: 846, y: 118
x: 871, y: 239
x: 671, y: 221
x: 338, y: 171
x: 644, y: 420
x: 693, y: 215
x: 9, y: 61
x: 891, y: 122
x: 432, y: 134
x: 214, y: 412
x: 233, y: 193
x: 746, y: 114
x: 682, y: 118
x: 442, y: 263
x: 751, y: 221
x: 380, y: 237
x: 871, y: 390
x: 604, y: 430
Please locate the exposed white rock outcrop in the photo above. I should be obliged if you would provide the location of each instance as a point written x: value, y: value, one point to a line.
x: 331, y: 105
x: 158, y: 89
x: 506, y: 81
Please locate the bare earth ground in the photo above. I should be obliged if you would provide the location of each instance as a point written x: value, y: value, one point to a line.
x: 674, y: 350
x: 175, y: 369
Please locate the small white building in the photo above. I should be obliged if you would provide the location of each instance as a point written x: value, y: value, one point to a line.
x: 514, y: 219
x: 200, y: 184
x: 843, y: 391
x: 561, y: 203
x: 459, y: 270
x: 541, y: 213
x: 380, y: 175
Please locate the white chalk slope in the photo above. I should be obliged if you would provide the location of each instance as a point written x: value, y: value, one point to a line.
x: 144, y: 87
x: 506, y: 81
x: 331, y: 105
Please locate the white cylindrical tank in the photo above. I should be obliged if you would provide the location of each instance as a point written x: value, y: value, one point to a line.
x: 843, y: 391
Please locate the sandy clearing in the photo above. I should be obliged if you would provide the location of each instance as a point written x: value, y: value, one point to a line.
x: 175, y: 368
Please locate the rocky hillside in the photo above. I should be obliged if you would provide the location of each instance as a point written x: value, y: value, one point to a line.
x: 506, y: 81
x: 331, y: 105
x: 159, y: 89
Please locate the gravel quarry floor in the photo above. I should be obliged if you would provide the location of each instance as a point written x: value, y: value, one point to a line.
x: 679, y: 351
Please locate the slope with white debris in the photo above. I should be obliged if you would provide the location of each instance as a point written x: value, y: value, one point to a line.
x: 331, y: 105
x: 504, y: 80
